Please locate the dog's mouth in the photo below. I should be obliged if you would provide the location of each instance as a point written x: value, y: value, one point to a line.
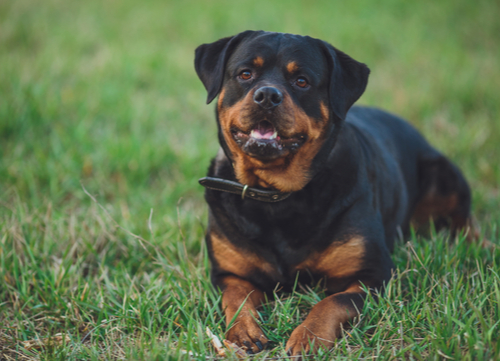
x: 265, y: 142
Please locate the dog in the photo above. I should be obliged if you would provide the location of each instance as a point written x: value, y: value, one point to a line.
x: 306, y: 188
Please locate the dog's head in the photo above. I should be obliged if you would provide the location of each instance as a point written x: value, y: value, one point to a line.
x: 282, y: 99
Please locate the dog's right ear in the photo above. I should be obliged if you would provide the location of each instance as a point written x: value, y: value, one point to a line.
x: 210, y: 62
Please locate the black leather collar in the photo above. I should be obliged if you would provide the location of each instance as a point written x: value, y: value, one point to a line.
x: 245, y: 191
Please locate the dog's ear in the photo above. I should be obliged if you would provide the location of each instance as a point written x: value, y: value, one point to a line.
x: 210, y: 62
x: 348, y: 80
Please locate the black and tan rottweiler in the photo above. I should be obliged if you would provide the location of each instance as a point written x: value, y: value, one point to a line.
x: 306, y: 187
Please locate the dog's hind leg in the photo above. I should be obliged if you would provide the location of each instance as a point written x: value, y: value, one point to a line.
x: 445, y: 198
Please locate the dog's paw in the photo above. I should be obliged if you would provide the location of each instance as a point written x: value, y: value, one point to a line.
x: 247, y: 334
x: 307, y: 339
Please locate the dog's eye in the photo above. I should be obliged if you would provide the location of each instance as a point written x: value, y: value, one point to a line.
x: 301, y: 82
x: 245, y: 74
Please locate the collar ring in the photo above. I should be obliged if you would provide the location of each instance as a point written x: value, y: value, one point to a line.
x: 244, y: 191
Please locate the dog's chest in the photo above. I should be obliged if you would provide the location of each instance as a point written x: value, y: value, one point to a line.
x: 285, y: 260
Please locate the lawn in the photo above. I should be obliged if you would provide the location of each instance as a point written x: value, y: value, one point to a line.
x: 104, y: 133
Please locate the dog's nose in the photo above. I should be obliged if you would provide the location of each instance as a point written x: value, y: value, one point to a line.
x: 268, y: 97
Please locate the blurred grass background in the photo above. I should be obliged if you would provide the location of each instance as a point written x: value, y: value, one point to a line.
x: 104, y: 94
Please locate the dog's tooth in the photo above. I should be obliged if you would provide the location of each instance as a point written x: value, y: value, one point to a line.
x: 275, y: 135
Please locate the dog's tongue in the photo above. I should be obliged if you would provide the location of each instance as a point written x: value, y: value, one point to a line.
x: 264, y: 130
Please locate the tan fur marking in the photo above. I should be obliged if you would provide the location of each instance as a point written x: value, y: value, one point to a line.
x: 245, y: 331
x: 292, y: 67
x: 325, y: 111
x: 258, y: 62
x: 434, y: 206
x: 286, y: 174
x: 324, y: 323
x: 221, y: 97
x: 240, y: 289
x: 235, y: 260
x: 337, y: 261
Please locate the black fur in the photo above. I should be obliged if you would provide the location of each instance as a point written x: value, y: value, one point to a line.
x: 368, y: 177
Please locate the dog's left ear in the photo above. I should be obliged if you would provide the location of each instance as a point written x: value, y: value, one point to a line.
x: 210, y: 62
x: 348, y: 80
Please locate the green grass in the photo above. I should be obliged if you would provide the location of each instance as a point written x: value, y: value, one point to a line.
x: 102, y: 96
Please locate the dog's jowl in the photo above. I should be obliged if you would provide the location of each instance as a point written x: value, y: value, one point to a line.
x: 306, y: 187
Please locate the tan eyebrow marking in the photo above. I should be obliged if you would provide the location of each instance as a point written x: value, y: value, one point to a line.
x: 258, y: 61
x: 292, y: 66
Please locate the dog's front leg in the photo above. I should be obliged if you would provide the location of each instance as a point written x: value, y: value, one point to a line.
x: 244, y: 331
x: 323, y: 324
